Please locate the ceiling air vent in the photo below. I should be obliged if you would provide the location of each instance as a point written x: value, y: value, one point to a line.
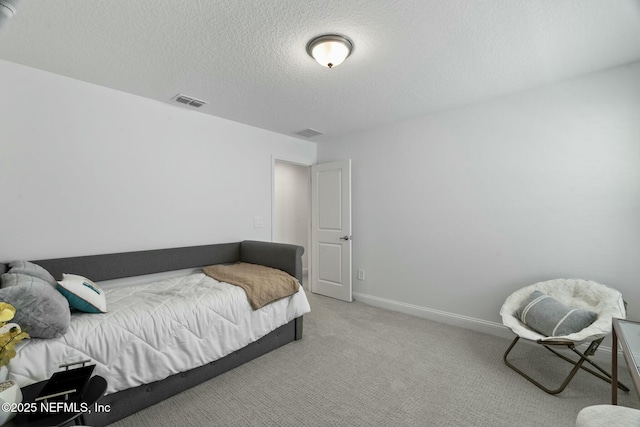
x: 188, y: 100
x: 308, y: 133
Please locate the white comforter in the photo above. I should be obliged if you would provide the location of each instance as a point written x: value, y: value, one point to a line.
x: 152, y: 331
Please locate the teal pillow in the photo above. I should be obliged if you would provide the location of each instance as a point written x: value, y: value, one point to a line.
x: 82, y: 294
x: 550, y: 317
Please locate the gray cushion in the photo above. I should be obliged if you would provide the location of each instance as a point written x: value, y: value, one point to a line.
x: 41, y: 311
x: 550, y: 317
x: 9, y: 279
x: 31, y: 269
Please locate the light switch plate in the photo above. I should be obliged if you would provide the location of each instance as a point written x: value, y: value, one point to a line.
x: 258, y: 222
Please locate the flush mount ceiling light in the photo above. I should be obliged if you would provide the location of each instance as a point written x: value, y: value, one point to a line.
x: 330, y: 50
x: 7, y: 10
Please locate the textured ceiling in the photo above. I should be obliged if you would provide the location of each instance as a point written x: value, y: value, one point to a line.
x: 248, y: 58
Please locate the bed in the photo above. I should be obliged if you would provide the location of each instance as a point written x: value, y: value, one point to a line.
x: 146, y: 364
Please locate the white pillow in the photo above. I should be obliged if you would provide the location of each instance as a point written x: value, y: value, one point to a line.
x: 82, y: 294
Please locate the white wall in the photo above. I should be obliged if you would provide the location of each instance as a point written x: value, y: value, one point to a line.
x: 291, y: 217
x: 453, y: 211
x: 85, y: 169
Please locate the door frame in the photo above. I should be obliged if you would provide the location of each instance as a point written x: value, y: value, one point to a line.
x: 300, y: 162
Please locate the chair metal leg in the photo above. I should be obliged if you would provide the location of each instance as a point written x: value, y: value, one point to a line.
x: 606, y: 377
x: 584, y: 357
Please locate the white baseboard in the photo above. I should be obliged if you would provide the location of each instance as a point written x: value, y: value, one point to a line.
x: 479, y: 325
x: 454, y: 319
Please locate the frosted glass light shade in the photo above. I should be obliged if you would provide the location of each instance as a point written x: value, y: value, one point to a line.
x: 8, y: 8
x: 330, y: 50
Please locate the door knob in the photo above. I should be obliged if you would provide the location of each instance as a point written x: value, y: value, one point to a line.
x: 345, y: 238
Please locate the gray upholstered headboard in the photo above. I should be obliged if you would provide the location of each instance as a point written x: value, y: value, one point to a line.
x: 282, y: 256
x: 277, y: 255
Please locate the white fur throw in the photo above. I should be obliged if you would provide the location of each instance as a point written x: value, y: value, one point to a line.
x: 583, y: 294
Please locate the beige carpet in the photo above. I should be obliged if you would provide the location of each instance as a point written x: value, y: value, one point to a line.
x: 359, y: 365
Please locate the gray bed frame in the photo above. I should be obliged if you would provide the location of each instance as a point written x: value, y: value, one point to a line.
x: 114, y: 266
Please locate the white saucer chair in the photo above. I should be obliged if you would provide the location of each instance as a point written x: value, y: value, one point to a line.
x: 579, y: 294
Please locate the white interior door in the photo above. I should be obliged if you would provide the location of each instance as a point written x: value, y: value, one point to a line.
x: 331, y: 229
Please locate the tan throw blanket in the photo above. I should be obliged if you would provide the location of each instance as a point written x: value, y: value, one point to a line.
x: 263, y: 285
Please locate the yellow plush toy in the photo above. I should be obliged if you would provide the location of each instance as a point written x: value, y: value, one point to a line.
x: 10, y: 333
